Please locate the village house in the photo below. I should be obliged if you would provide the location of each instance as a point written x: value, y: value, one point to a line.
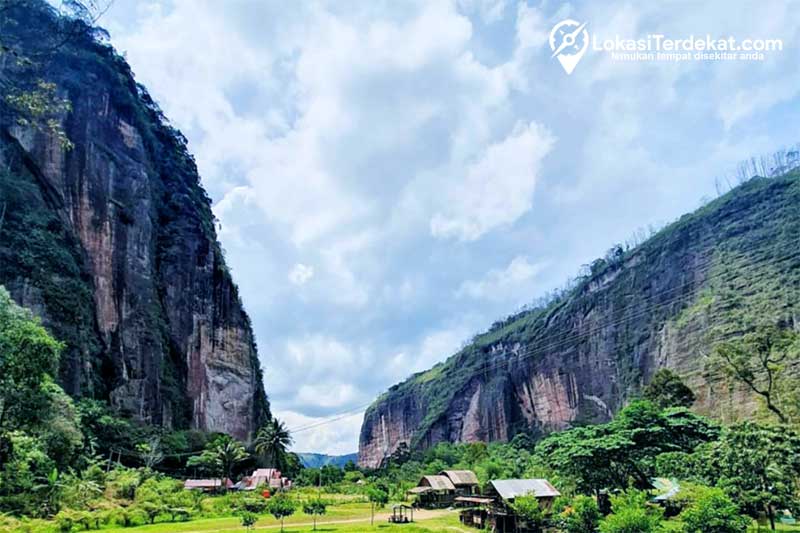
x: 495, y: 507
x: 443, y: 489
x: 265, y: 478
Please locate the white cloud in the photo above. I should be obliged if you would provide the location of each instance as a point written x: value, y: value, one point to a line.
x: 502, y: 284
x: 400, y: 147
x: 301, y: 274
x: 498, y: 188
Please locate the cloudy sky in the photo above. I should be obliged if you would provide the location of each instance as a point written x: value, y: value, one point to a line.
x: 393, y: 176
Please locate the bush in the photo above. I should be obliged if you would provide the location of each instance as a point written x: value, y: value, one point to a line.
x: 248, y: 520
x: 714, y: 512
x: 632, y: 514
x: 580, y: 516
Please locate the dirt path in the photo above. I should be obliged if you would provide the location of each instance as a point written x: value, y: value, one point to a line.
x: 380, y: 518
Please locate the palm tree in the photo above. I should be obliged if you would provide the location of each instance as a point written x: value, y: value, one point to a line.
x: 272, y: 442
x: 228, y: 452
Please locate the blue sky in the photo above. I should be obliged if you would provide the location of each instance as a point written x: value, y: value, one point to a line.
x: 392, y: 177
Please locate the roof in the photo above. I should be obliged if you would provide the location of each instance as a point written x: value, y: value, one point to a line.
x: 438, y: 482
x: 461, y: 477
x: 508, y: 489
x: 205, y: 483
x: 474, y: 499
x: 419, y: 490
x: 267, y: 473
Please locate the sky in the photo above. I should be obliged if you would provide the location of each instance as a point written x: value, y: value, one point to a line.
x: 391, y: 177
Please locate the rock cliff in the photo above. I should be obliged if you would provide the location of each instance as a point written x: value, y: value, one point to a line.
x: 108, y: 235
x: 577, y: 360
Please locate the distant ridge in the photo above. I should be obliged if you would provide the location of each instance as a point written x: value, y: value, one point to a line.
x: 318, y: 460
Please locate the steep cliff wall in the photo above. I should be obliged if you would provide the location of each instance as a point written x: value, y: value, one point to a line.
x: 109, y: 236
x: 710, y: 275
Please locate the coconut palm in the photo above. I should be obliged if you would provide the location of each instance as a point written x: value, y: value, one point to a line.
x: 272, y: 442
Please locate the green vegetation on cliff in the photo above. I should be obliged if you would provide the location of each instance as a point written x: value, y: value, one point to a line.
x: 714, y: 274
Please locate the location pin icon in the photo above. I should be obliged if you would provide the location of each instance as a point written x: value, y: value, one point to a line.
x: 565, y: 51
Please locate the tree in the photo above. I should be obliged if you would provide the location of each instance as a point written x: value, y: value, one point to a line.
x: 714, y: 512
x: 272, y: 442
x: 280, y: 506
x: 582, y: 516
x: 315, y: 508
x: 248, y: 520
x: 28, y: 358
x: 632, y: 514
x: 759, y: 360
x: 220, y: 457
x: 377, y: 496
x: 758, y: 466
x: 150, y: 452
x: 624, y: 451
x: 666, y: 389
x: 527, y: 510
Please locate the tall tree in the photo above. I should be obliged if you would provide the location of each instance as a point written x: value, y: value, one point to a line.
x: 28, y: 358
x: 759, y: 359
x: 272, y: 442
x: 220, y: 457
x: 759, y: 467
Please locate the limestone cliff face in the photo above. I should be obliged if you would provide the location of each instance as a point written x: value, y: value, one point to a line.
x: 662, y: 304
x: 161, y: 331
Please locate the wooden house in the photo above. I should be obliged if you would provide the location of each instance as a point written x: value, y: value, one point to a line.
x: 465, y: 481
x: 434, y: 491
x: 495, y: 507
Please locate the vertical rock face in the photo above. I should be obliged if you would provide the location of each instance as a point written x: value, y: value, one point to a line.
x: 161, y: 331
x: 664, y: 303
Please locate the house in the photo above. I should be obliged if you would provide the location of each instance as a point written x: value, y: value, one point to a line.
x: 495, y: 507
x: 465, y: 481
x: 270, y: 478
x: 207, y: 485
x: 434, y: 491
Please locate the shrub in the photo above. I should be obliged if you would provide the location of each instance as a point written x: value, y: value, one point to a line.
x: 632, y: 514
x: 248, y: 520
x: 581, y: 516
x: 714, y: 512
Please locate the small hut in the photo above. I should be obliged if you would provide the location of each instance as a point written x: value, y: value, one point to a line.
x: 433, y: 492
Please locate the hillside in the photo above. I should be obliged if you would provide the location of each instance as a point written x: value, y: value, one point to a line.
x: 108, y: 235
x: 318, y: 460
x: 710, y: 275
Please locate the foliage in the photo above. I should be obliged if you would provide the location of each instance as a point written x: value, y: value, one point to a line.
x: 220, y: 457
x: 315, y: 508
x: 632, y: 514
x: 528, y: 510
x: 41, y: 107
x: 759, y: 467
x: 272, y: 442
x: 624, y: 451
x: 280, y: 506
x: 761, y: 359
x: 666, y: 389
x: 714, y: 512
x: 28, y: 358
x: 581, y: 516
x: 248, y: 520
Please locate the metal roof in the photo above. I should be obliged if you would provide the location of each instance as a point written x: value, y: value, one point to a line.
x: 461, y: 477
x: 508, y: 489
x: 437, y: 482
